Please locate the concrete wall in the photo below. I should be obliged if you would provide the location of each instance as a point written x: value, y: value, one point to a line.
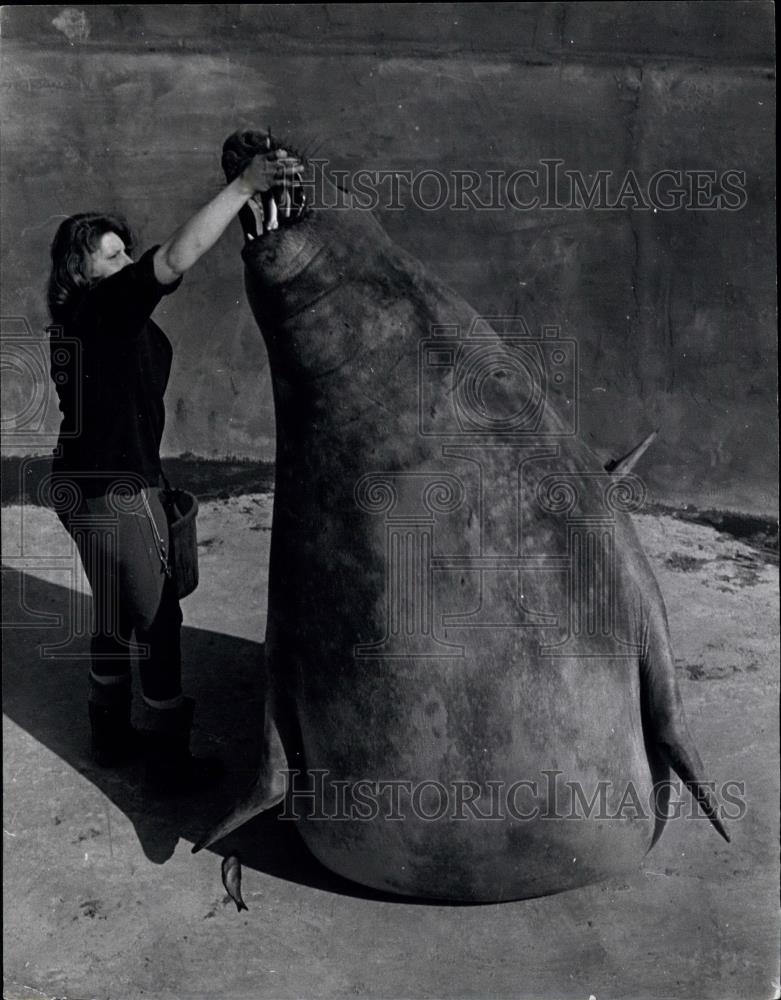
x: 125, y: 108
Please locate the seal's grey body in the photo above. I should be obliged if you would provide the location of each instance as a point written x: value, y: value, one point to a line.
x: 467, y: 653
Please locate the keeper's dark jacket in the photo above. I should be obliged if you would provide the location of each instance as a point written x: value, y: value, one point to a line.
x: 111, y: 385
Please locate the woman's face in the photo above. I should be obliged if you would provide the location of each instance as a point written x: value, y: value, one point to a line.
x: 108, y: 258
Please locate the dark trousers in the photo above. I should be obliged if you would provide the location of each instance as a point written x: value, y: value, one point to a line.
x: 119, y: 538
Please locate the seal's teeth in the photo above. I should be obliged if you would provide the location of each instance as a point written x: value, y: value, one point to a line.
x: 273, y: 221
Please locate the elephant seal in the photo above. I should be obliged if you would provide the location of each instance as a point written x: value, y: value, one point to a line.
x: 471, y: 687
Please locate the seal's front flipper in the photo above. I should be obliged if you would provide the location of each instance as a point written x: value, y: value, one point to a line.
x: 667, y: 730
x: 624, y: 465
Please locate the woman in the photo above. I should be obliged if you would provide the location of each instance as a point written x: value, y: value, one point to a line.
x: 107, y: 477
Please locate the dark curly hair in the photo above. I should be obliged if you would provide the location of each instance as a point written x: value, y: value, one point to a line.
x: 77, y: 237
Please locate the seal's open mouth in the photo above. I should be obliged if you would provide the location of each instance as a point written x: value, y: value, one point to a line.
x: 279, y: 207
x: 283, y: 205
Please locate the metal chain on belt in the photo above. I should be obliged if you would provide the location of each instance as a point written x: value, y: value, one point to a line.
x: 159, y: 540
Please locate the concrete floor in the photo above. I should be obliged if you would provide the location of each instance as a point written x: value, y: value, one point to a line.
x: 104, y: 899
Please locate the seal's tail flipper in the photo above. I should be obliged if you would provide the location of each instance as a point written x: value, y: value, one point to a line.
x: 685, y: 761
x: 264, y: 794
x: 267, y: 791
x: 623, y: 466
x: 667, y: 730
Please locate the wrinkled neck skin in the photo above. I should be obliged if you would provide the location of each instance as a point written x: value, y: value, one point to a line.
x: 292, y: 267
x: 332, y: 293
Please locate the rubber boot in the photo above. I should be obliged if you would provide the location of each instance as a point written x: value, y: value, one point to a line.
x: 170, y: 767
x: 115, y: 743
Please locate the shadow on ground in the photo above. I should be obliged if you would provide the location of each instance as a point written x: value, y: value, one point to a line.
x: 46, y: 697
